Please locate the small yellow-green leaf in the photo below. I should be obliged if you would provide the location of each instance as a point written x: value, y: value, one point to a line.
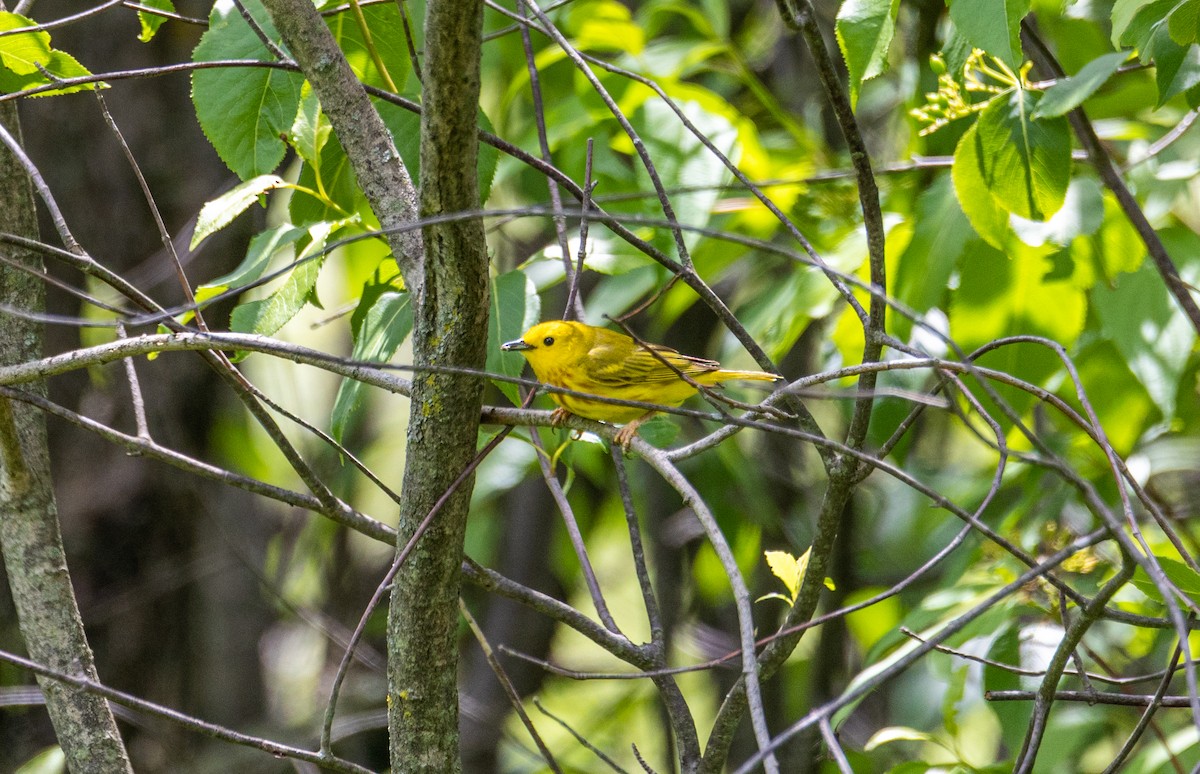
x: 986, y: 216
x: 787, y: 569
x: 152, y: 21
x: 51, y: 760
x: 221, y: 211
x: 22, y: 52
x: 864, y: 33
x: 896, y: 734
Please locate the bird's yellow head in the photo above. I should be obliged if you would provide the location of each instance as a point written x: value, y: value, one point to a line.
x: 553, y: 345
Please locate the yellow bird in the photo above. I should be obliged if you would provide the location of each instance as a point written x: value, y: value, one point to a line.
x: 600, y: 361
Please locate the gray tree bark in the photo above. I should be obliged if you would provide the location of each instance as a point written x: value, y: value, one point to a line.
x: 449, y: 330
x: 448, y: 277
x: 30, y: 539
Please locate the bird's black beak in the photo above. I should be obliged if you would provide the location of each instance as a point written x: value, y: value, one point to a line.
x: 515, y: 346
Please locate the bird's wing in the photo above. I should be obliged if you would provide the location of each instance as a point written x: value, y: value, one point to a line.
x: 618, y: 366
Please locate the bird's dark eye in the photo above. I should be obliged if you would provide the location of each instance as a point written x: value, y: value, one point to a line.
x: 548, y: 340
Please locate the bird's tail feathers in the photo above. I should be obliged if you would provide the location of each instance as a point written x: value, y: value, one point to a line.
x: 728, y: 375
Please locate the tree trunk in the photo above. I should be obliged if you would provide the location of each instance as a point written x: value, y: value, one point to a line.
x: 449, y: 330
x: 29, y: 532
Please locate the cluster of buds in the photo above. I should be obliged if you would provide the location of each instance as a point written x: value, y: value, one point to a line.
x: 982, y: 74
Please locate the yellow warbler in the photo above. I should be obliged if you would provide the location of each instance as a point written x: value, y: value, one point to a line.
x: 599, y: 361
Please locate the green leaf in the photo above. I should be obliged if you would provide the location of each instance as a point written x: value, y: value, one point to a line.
x: 1069, y: 93
x: 516, y: 307
x: 220, y: 212
x: 258, y: 256
x: 310, y: 129
x: 1025, y: 164
x: 387, y: 36
x: 1176, y: 67
x: 1141, y: 319
x: 1184, y: 578
x: 151, y: 21
x: 405, y: 127
x: 779, y: 309
x: 985, y: 214
x: 268, y: 315
x: 385, y: 319
x: 1183, y: 21
x: 605, y: 25
x: 51, y: 760
x: 922, y: 274
x: 1014, y: 293
x: 244, y: 111
x: 1132, y: 19
x: 23, y: 52
x: 1017, y: 292
x: 23, y: 56
x: 992, y: 25
x: 1147, y: 27
x: 332, y: 175
x: 864, y: 32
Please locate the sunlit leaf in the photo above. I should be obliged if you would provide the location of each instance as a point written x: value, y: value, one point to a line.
x: 21, y: 53
x: 268, y: 315
x: 896, y: 734
x: 220, y: 212
x: 788, y: 569
x: 51, y: 760
x: 604, y: 25
x: 986, y: 216
x: 24, y: 56
x: 1025, y: 164
x: 864, y: 33
x: 152, y: 21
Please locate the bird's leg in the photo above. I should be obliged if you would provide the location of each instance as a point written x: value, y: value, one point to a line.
x: 559, y: 417
x: 627, y: 433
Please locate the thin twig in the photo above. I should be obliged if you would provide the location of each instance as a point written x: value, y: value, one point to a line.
x: 574, y: 303
x: 342, y: 514
x: 1111, y: 176
x: 1144, y: 721
x: 1071, y: 637
x: 327, y: 760
x: 510, y: 690
x: 901, y: 664
x: 574, y: 310
x: 135, y: 394
x: 397, y: 563
x: 577, y: 541
x: 835, y: 747
x: 608, y: 761
x: 262, y: 35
